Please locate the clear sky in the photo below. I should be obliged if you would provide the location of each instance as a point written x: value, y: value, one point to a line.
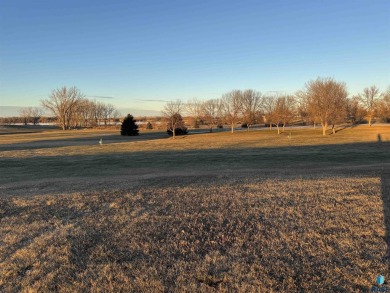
x: 141, y: 51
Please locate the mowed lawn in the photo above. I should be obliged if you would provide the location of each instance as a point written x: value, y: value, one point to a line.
x: 244, y: 212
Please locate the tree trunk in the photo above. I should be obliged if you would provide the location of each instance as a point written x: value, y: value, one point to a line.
x: 270, y: 126
x: 277, y: 126
x: 284, y: 124
x: 333, y: 129
x: 369, y: 121
x: 314, y: 125
x: 232, y: 127
x: 324, y: 128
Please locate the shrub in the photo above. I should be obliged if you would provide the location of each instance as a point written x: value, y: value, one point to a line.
x: 149, y: 125
x: 129, y: 127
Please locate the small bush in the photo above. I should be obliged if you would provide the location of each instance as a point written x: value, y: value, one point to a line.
x: 178, y: 131
x: 149, y: 125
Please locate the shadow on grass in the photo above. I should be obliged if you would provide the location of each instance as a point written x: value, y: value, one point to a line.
x: 280, y: 160
x: 385, y: 191
x: 81, y: 141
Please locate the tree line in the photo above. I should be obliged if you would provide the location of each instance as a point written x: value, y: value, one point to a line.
x: 322, y: 101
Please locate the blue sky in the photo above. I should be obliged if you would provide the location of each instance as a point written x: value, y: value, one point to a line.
x: 137, y: 51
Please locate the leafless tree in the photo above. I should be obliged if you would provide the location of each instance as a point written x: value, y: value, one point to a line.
x: 172, y: 111
x: 194, y: 108
x: 287, y: 109
x: 251, y: 105
x: 340, y: 113
x: 211, y: 111
x: 25, y: 114
x: 231, y: 105
x: 62, y: 103
x: 30, y: 115
x: 108, y: 110
x: 355, y: 112
x: 325, y: 95
x: 269, y: 107
x: 115, y: 116
x: 384, y: 105
x: 303, y: 108
x: 369, y: 99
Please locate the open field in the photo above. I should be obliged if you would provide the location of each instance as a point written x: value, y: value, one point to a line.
x: 252, y: 211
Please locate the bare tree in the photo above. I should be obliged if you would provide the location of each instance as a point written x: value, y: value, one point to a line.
x: 194, y: 108
x: 31, y: 115
x: 281, y: 110
x: 324, y: 98
x: 211, y: 111
x: 231, y: 104
x: 62, y: 103
x: 172, y: 111
x: 269, y: 106
x: 25, y: 114
x: 115, y: 116
x: 287, y: 107
x: 355, y: 112
x: 304, y: 111
x: 251, y: 104
x: 384, y: 106
x: 108, y: 110
x: 339, y: 114
x: 369, y: 99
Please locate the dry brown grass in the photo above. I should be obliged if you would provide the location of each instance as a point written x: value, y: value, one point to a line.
x: 157, y: 141
x: 260, y: 234
x: 257, y: 212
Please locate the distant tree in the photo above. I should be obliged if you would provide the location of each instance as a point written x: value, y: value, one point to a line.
x: 194, y: 109
x: 369, y: 99
x: 286, y: 109
x: 325, y: 95
x: 62, y: 103
x: 115, y: 116
x: 108, y: 111
x: 129, y: 126
x: 36, y: 114
x: 25, y: 115
x: 251, y: 105
x: 384, y: 106
x: 177, y: 121
x: 231, y: 105
x: 355, y: 111
x: 303, y: 109
x: 269, y: 107
x: 149, y: 125
x: 172, y: 112
x: 338, y: 115
x: 211, y: 111
x: 278, y: 112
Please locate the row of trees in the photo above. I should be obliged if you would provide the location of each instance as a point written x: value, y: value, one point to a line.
x: 72, y: 109
x: 30, y: 115
x: 324, y: 101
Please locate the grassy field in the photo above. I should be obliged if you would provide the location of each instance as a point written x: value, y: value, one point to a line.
x: 252, y: 211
